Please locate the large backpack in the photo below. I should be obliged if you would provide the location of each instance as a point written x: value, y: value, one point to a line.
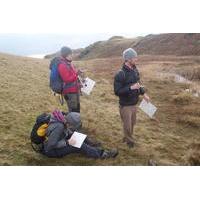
x: 56, y: 83
x: 36, y: 137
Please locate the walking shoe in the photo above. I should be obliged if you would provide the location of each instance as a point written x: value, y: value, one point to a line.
x: 109, y: 153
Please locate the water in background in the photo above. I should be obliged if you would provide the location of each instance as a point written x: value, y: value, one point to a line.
x: 41, y: 56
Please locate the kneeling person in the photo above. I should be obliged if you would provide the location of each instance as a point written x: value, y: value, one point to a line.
x: 59, y: 142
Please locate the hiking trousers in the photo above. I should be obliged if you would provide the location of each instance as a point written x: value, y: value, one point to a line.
x: 85, y: 149
x: 73, y: 102
x: 128, y: 117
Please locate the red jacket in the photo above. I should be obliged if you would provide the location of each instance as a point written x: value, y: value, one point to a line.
x: 69, y: 76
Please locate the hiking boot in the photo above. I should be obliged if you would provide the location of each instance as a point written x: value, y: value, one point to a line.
x: 130, y: 144
x: 109, y: 153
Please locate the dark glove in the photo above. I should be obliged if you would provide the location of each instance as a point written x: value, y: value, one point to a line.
x: 68, y: 133
x: 142, y: 90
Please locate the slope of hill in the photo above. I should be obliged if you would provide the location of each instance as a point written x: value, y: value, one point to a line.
x: 110, y: 48
x: 24, y: 93
x: 180, y: 44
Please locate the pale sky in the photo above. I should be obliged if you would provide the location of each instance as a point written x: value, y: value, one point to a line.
x: 102, y: 16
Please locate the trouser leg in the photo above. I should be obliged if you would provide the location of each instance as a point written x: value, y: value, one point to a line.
x: 85, y: 149
x: 133, y: 118
x: 73, y: 102
x: 128, y: 121
x: 90, y: 151
x: 58, y: 153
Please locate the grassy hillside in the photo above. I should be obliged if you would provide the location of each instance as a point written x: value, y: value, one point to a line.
x: 181, y: 44
x: 171, y: 139
x: 112, y: 47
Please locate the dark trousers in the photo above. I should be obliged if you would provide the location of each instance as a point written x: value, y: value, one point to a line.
x: 85, y: 149
x: 73, y: 102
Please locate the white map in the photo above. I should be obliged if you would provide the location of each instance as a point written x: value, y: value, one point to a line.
x: 79, y: 138
x: 148, y: 108
x: 88, y: 86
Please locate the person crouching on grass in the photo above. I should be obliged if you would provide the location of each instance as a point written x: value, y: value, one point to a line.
x: 59, y: 142
x: 127, y: 87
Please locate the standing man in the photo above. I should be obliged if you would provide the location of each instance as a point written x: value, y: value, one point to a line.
x: 69, y: 75
x: 127, y: 87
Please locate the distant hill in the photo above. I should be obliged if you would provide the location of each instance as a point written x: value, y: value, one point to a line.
x: 181, y: 44
x: 102, y: 49
x: 109, y: 48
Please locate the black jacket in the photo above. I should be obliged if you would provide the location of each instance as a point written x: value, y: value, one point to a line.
x: 122, y: 82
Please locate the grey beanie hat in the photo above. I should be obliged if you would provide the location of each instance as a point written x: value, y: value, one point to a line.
x: 65, y: 51
x: 129, y: 54
x: 74, y: 120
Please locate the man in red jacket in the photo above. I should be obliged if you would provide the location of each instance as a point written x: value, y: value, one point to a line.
x: 69, y: 75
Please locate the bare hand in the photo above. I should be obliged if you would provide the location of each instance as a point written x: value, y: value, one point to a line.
x: 135, y: 86
x: 146, y: 98
x: 80, y: 72
x: 71, y: 142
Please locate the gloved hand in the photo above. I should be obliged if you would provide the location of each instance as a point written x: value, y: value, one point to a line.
x: 142, y: 90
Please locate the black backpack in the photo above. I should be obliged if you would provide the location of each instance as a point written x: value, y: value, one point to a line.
x: 36, y: 140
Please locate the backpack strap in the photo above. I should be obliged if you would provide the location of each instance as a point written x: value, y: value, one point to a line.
x: 124, y: 75
x: 56, y: 60
x: 38, y: 148
x: 61, y: 99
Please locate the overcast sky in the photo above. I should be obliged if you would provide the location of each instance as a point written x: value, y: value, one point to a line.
x: 91, y: 16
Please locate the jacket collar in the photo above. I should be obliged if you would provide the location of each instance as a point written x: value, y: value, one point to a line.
x: 128, y: 68
x: 65, y: 60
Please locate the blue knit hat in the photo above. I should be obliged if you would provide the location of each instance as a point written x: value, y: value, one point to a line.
x: 74, y: 120
x: 129, y: 54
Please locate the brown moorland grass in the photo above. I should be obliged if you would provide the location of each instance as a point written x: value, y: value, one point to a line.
x: 24, y: 94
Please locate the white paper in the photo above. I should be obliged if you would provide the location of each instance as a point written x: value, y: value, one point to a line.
x: 88, y: 86
x: 148, y: 108
x: 79, y: 138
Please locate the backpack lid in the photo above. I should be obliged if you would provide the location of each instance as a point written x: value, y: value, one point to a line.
x: 42, y: 130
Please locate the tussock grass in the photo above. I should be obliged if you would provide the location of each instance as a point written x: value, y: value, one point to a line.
x: 189, y: 120
x: 191, y: 72
x: 193, y: 155
x: 183, y: 98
